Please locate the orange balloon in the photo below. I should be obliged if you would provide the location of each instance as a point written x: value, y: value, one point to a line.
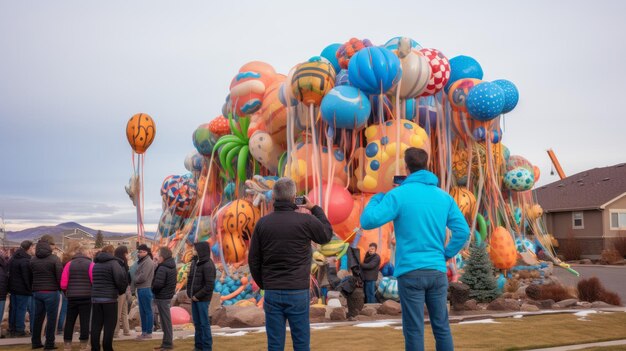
x: 234, y: 247
x: 465, y: 199
x: 502, y: 249
x: 140, y: 131
x: 239, y: 218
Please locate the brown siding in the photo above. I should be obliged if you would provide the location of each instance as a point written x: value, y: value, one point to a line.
x: 562, y: 225
x: 617, y: 205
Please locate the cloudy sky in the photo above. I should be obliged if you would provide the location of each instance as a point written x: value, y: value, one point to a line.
x: 73, y: 72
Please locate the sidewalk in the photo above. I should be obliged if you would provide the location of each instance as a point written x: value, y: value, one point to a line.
x: 584, y: 346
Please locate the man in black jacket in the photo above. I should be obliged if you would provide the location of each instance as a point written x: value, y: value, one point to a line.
x: 200, y: 283
x: 280, y: 263
x: 20, y: 288
x: 4, y: 283
x: 163, y: 288
x: 46, y: 270
x: 109, y: 281
x: 369, y: 269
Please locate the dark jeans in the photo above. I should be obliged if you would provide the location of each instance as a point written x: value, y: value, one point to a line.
x: 103, y: 315
x: 144, y: 299
x: 416, y: 288
x: 77, y: 307
x: 45, y: 305
x: 62, y: 314
x: 163, y: 306
x: 370, y: 291
x: 3, y: 303
x: 287, y: 305
x: 18, y: 306
x: 202, y: 324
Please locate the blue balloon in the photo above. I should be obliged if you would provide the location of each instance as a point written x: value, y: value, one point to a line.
x: 374, y: 70
x: 387, y: 108
x: 411, y: 109
x: 342, y: 78
x: 330, y: 53
x: 345, y: 107
x: 392, y: 44
x: 511, y: 94
x: 485, y: 101
x: 427, y: 112
x: 283, y: 95
x: 463, y: 67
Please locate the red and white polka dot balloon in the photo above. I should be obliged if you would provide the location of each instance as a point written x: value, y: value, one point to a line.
x: 219, y: 126
x: 440, y: 70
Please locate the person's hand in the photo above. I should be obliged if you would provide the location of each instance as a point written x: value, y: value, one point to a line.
x: 308, y: 204
x: 194, y: 299
x: 332, y: 260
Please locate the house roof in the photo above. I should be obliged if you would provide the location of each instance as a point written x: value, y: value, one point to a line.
x: 77, y: 234
x: 591, y: 189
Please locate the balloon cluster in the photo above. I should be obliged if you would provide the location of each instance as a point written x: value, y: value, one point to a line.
x: 338, y: 124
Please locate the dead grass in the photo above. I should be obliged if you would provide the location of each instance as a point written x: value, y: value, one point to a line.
x: 507, y: 334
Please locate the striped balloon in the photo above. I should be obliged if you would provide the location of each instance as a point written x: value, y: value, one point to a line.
x: 416, y: 72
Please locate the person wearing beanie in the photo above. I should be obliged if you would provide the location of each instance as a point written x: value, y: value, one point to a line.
x: 164, y: 287
x: 20, y: 288
x: 200, y: 283
x: 143, y: 283
x: 109, y: 281
x: 46, y: 273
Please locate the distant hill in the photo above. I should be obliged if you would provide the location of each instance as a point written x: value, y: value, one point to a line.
x: 57, y: 230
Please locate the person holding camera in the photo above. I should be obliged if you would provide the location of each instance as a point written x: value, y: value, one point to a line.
x: 280, y: 263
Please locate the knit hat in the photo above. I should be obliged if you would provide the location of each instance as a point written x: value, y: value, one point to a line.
x: 143, y: 247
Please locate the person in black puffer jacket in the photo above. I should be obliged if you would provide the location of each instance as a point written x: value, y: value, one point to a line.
x: 164, y: 287
x: 76, y: 282
x: 109, y: 280
x: 20, y: 288
x: 200, y: 283
x: 369, y: 267
x: 4, y: 283
x: 46, y: 270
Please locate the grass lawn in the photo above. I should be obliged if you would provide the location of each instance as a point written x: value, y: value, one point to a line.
x: 505, y: 334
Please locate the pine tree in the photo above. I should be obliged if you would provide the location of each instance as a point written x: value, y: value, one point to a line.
x: 479, y: 275
x: 99, y: 240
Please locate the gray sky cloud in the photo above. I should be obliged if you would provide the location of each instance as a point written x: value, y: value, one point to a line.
x: 74, y: 72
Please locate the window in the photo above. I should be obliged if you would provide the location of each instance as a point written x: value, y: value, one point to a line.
x: 578, y: 220
x: 618, y: 219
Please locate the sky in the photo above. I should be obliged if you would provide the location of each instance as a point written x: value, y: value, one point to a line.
x: 73, y: 72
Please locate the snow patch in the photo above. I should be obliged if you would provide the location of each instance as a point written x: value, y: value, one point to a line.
x: 239, y: 333
x: 481, y: 321
x: 584, y: 313
x: 518, y: 316
x: 374, y: 324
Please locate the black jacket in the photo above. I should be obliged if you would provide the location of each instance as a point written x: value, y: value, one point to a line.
x: 369, y: 267
x: 4, y: 278
x: 201, y: 277
x: 46, y: 269
x: 164, y: 281
x: 109, y: 278
x: 280, y: 248
x: 79, y: 283
x: 19, y: 272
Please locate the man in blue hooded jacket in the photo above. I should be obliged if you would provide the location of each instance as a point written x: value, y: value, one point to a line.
x: 420, y: 212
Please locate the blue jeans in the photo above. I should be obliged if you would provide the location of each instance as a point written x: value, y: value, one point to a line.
x: 416, y: 288
x: 144, y: 297
x: 287, y: 305
x: 18, y: 306
x: 202, y: 324
x: 62, y: 314
x: 45, y: 305
x: 370, y: 291
x: 2, y: 304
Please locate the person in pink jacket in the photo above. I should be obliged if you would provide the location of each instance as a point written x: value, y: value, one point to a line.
x: 76, y: 283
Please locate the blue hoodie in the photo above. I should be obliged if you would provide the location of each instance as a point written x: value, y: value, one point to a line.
x: 420, y: 212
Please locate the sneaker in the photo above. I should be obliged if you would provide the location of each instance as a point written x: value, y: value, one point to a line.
x: 141, y: 337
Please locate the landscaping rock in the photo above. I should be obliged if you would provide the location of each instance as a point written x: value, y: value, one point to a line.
x: 529, y: 308
x: 585, y: 261
x: 338, y: 314
x: 458, y: 293
x: 583, y: 304
x: 334, y: 303
x: 215, y: 304
x: 390, y: 307
x: 565, y: 303
x: 600, y: 304
x: 512, y: 304
x: 317, y: 314
x: 368, y: 311
x: 245, y: 317
x: 133, y: 317
x: 521, y: 291
x: 497, y: 305
x: 471, y: 305
x: 546, y: 304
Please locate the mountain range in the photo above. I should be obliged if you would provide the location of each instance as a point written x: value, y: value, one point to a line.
x: 57, y: 231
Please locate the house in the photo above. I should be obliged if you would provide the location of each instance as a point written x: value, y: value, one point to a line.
x: 589, y: 207
x: 77, y: 235
x: 129, y: 241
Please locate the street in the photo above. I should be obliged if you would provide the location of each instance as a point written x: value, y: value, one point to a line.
x: 612, y: 277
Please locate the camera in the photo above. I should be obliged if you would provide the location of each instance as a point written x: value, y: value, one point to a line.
x: 397, y: 180
x: 300, y: 200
